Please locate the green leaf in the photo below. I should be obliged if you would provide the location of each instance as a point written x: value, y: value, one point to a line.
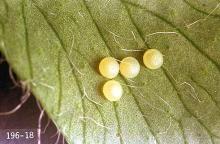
x: 55, y: 47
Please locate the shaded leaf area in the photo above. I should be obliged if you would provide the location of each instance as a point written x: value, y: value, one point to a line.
x: 55, y: 46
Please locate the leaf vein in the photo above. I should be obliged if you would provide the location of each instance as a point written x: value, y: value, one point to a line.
x: 59, y: 83
x: 27, y: 42
x: 201, y: 11
x: 210, y: 95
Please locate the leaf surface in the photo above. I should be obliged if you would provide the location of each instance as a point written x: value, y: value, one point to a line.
x: 55, y: 47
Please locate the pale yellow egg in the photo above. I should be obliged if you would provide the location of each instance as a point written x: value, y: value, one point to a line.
x: 129, y: 67
x: 109, y: 67
x: 112, y: 90
x: 153, y: 59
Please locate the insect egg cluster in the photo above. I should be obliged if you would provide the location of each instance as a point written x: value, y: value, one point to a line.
x: 129, y: 67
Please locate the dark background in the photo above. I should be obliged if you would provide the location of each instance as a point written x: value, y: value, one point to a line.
x: 26, y: 117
